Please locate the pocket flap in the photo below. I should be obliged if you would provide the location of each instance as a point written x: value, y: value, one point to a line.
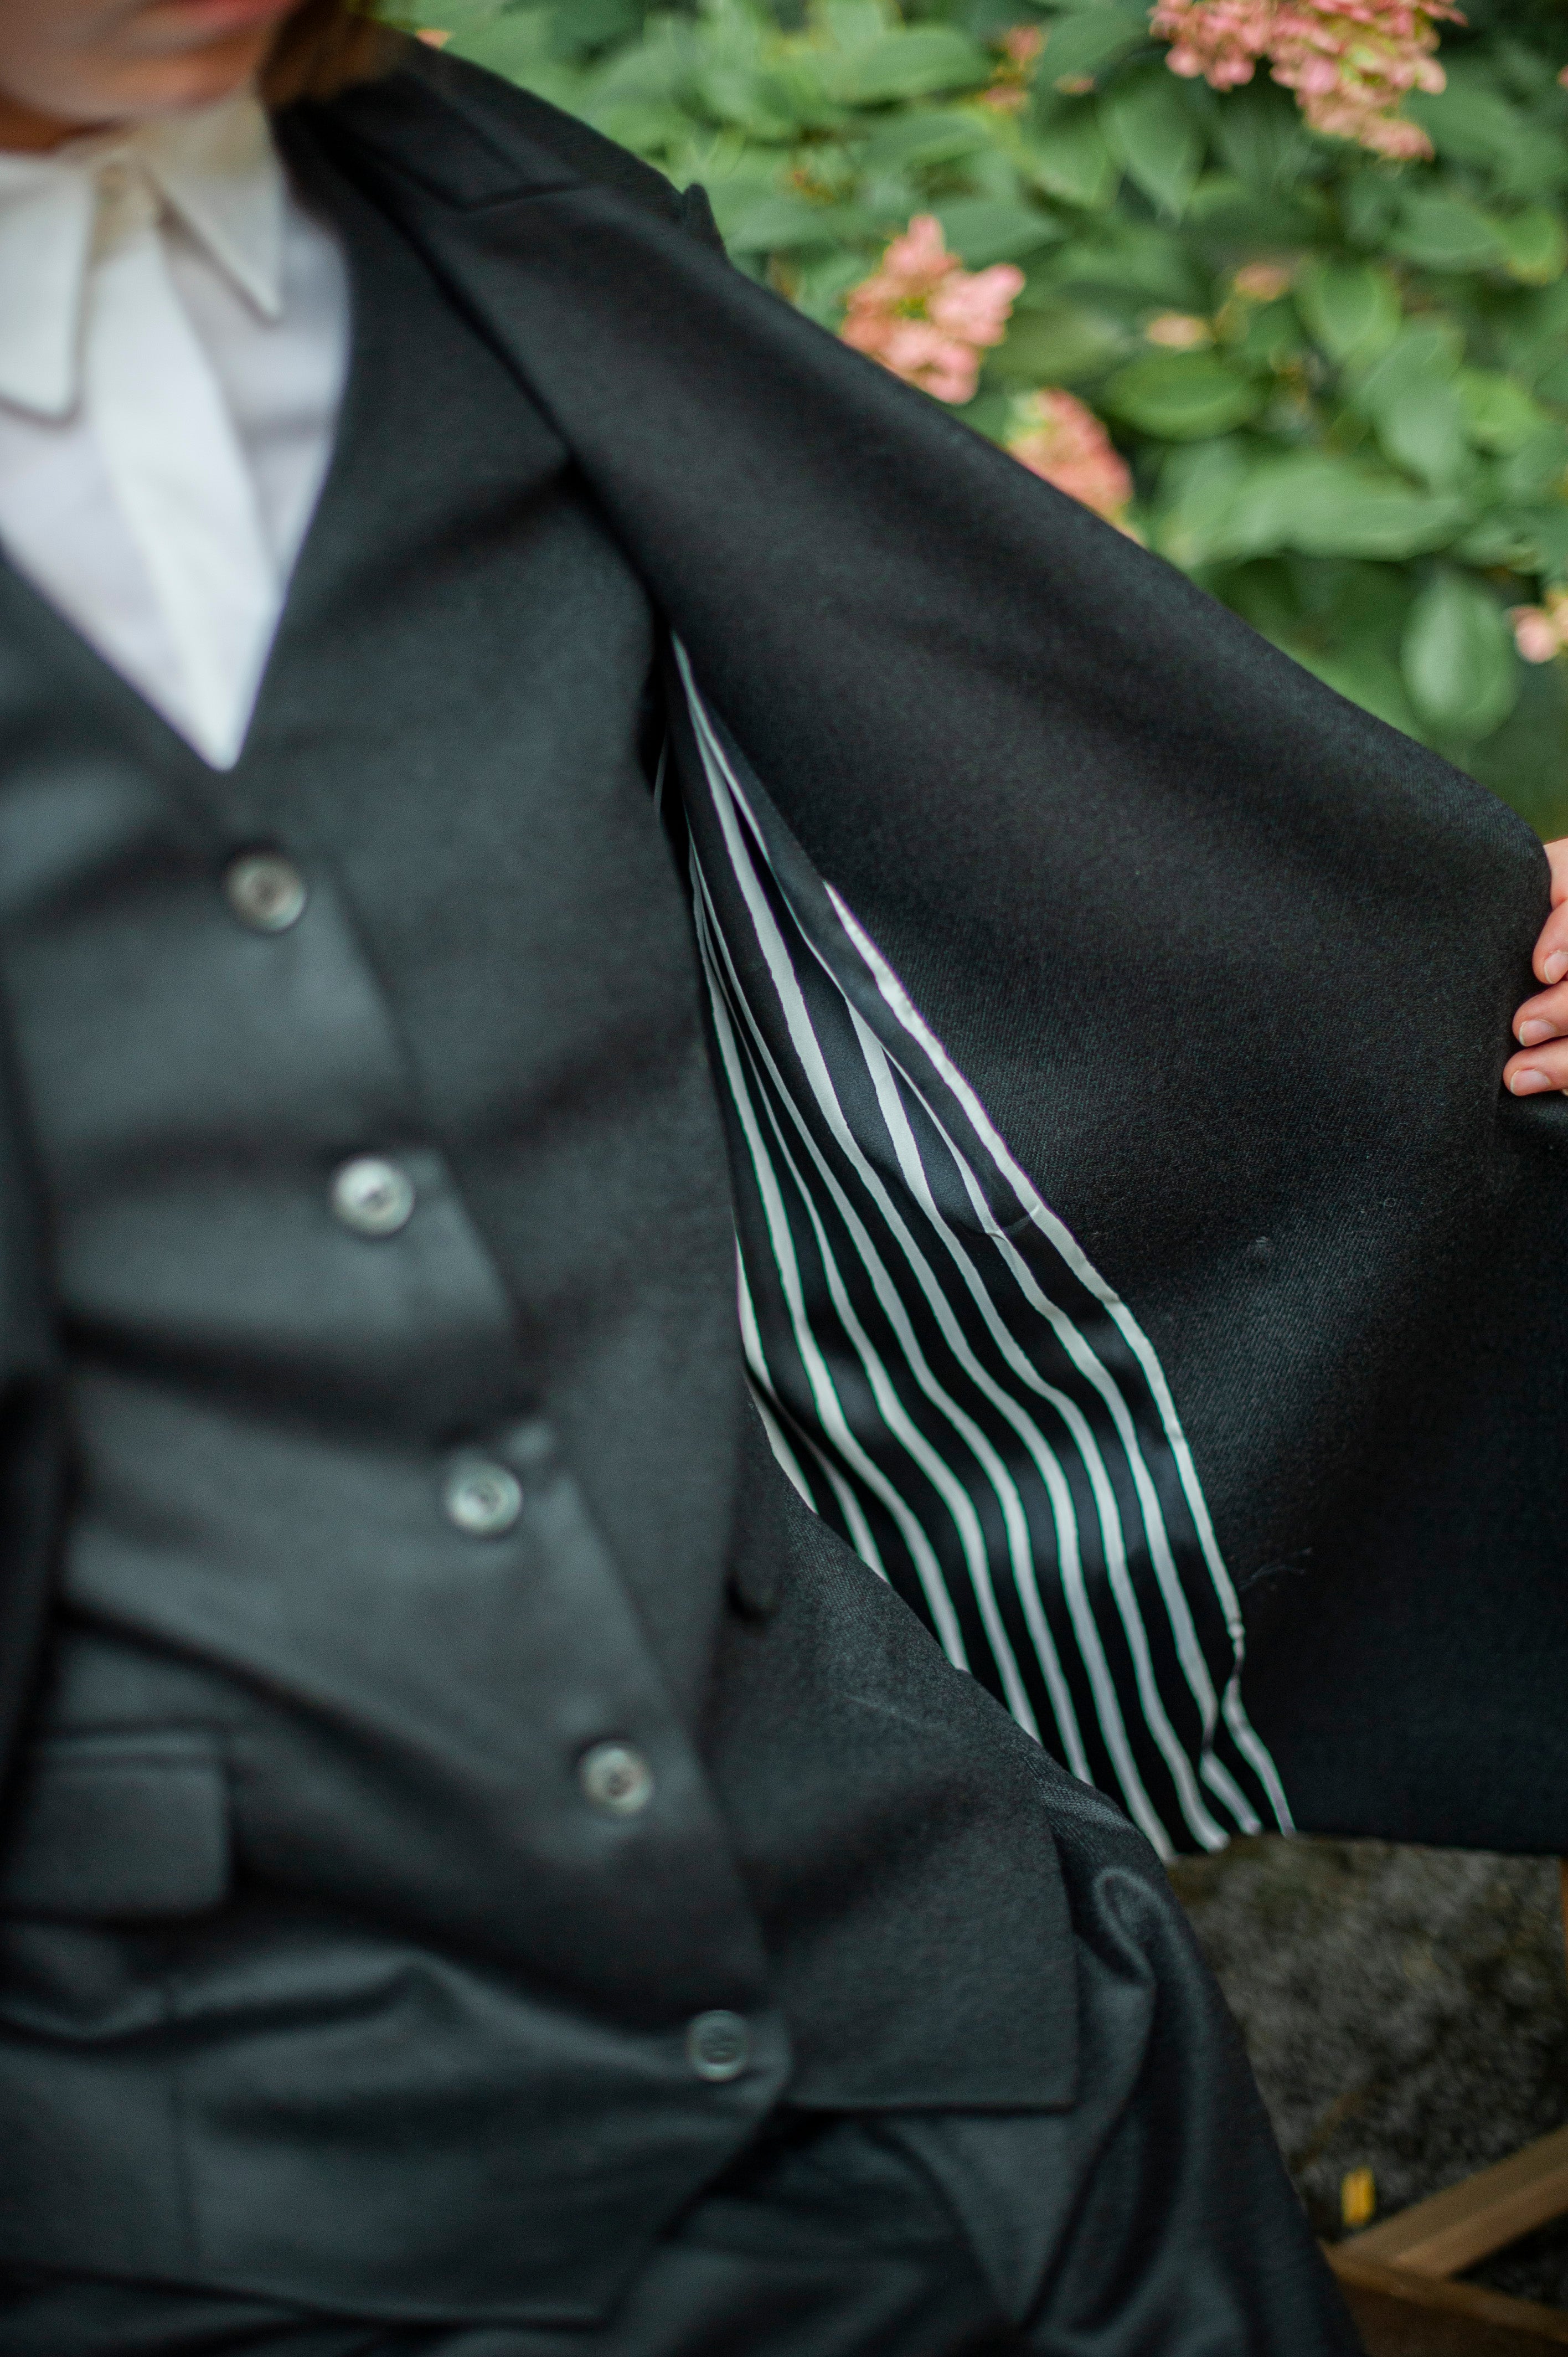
x: 120, y: 1826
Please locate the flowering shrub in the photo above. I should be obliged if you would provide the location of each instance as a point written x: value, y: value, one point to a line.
x: 1064, y: 441
x: 1350, y: 64
x: 925, y: 317
x: 1279, y: 285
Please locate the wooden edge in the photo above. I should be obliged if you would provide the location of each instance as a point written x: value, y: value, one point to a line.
x: 1452, y: 2229
x: 1549, y: 2325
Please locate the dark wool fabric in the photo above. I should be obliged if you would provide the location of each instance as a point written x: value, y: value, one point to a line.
x: 329, y: 2012
x: 1229, y: 963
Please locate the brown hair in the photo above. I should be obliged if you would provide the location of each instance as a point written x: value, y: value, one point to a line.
x: 323, y: 46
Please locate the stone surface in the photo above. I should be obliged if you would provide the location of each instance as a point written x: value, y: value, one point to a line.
x: 1406, y: 2010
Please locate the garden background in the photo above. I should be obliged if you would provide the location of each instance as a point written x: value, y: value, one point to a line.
x: 1306, y: 336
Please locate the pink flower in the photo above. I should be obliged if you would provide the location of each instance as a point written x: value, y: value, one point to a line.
x: 1009, y: 86
x: 1220, y: 39
x: 927, y: 317
x: 1179, y: 332
x: 1262, y: 282
x: 1541, y: 632
x: 1067, y: 444
x: 1350, y: 62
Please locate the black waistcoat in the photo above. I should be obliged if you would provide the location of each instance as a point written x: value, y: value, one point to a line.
x: 321, y: 1975
x: 309, y: 1706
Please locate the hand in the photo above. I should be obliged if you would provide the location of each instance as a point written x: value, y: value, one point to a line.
x: 1541, y: 1027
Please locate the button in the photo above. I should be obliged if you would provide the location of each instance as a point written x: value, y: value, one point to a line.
x: 616, y: 1780
x: 265, y: 891
x: 718, y: 2046
x: 372, y: 1197
x: 483, y: 1500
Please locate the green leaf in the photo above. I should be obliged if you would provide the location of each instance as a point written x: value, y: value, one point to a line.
x: 767, y: 105
x: 1421, y: 351
x: 1526, y: 762
x: 980, y: 231
x: 1259, y: 134
x: 462, y: 17
x: 1472, y: 125
x: 1447, y: 233
x: 1060, y: 344
x: 1350, y: 309
x: 1499, y: 414
x: 1081, y: 45
x: 1369, y: 201
x: 1425, y: 430
x: 1535, y: 245
x: 1525, y: 539
x: 906, y: 64
x: 1458, y: 658
x: 1153, y: 133
x: 1364, y: 675
x: 932, y: 135
x: 518, y: 45
x: 776, y: 224
x: 1537, y: 467
x: 1323, y: 506
x: 1069, y: 159
x: 1224, y: 207
x: 1182, y: 396
x: 1197, y: 491
x: 1139, y: 259
x: 1472, y: 122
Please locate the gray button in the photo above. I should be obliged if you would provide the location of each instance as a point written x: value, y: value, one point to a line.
x: 372, y: 1197
x: 617, y: 1779
x: 265, y: 891
x: 718, y: 2046
x: 482, y: 1499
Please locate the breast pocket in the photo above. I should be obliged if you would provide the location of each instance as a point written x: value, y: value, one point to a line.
x: 124, y: 1828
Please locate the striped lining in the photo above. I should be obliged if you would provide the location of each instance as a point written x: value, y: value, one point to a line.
x: 943, y: 1375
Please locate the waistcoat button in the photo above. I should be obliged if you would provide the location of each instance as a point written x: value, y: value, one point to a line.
x: 483, y: 1500
x: 372, y: 1197
x: 718, y: 2046
x: 265, y: 891
x: 615, y: 1779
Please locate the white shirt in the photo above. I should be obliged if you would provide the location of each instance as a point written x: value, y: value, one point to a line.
x: 174, y: 339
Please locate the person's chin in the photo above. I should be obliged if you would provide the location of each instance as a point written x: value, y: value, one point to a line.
x: 198, y: 77
x: 197, y: 22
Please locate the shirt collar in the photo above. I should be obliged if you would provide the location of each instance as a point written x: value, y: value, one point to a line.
x: 218, y: 169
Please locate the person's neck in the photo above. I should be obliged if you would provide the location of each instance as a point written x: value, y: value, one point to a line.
x: 24, y: 131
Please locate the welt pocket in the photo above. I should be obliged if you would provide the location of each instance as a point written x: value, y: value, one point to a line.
x: 125, y: 1827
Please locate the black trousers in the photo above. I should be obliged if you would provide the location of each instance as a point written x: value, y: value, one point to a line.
x: 896, y: 2236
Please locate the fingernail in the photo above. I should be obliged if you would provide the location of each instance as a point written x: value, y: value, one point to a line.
x: 1556, y: 966
x: 1532, y: 1033
x: 1529, y: 1083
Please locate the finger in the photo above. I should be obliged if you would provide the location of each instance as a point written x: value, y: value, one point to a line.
x: 1535, y: 1070
x: 1544, y: 1017
x: 1551, y: 959
x: 1557, y: 858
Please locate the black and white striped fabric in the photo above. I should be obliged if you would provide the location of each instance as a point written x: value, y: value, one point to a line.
x: 943, y: 1375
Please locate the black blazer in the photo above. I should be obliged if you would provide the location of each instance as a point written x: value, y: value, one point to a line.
x: 1192, y: 979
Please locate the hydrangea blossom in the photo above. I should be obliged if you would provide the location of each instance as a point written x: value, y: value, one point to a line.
x: 1540, y: 632
x: 1262, y: 282
x: 1009, y: 87
x: 927, y: 317
x: 1065, y: 443
x: 1350, y: 62
x: 1179, y: 332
